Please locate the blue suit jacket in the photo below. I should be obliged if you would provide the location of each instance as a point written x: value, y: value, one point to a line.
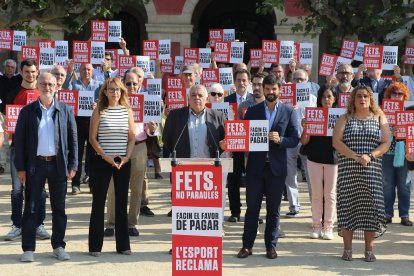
x: 286, y: 124
x: 26, y: 139
x: 232, y: 98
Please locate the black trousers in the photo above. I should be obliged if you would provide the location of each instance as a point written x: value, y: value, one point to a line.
x: 104, y: 173
x: 233, y: 183
x: 82, y: 125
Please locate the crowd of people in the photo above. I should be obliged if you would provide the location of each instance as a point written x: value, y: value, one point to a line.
x: 352, y: 177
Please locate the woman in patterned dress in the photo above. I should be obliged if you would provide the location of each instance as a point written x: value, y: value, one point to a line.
x: 361, y: 137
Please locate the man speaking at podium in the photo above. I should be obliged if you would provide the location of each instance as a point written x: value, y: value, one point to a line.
x: 194, y: 131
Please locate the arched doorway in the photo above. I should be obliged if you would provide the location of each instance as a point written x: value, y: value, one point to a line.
x: 133, y: 29
x: 240, y: 15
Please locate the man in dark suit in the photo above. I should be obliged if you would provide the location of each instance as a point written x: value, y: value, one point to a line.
x: 242, y: 83
x: 373, y: 80
x: 266, y: 171
x: 46, y: 148
x: 194, y: 131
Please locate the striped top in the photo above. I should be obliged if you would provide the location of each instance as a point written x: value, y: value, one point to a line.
x: 113, y: 130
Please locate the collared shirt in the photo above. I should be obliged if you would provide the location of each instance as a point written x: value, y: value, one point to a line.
x: 374, y: 85
x: 93, y: 85
x: 46, y: 131
x: 142, y: 132
x: 271, y: 116
x: 197, y: 130
x: 99, y: 75
x: 241, y: 99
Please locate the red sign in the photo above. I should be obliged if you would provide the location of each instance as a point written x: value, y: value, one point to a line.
x: 71, y: 98
x: 316, y: 121
x: 167, y: 65
x: 209, y: 77
x: 409, y: 140
x: 328, y: 63
x: 125, y: 63
x: 12, y: 114
x: 348, y: 48
x: 150, y: 49
x: 48, y: 44
x: 222, y: 51
x: 32, y: 53
x: 271, y: 51
x: 409, y: 55
x: 6, y: 40
x: 190, y: 56
x: 403, y: 118
x: 373, y: 56
x: 31, y: 97
x: 99, y: 30
x: 255, y: 57
x: 136, y: 102
x: 81, y: 52
x: 343, y: 99
x: 215, y: 35
x: 288, y: 94
x: 176, y: 93
x: 390, y: 108
x: 296, y: 52
x: 237, y: 135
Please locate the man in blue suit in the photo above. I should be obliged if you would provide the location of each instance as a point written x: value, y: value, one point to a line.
x: 266, y: 171
x: 46, y: 148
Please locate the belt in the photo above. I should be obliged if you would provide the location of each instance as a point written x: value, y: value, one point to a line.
x: 139, y: 142
x: 47, y: 158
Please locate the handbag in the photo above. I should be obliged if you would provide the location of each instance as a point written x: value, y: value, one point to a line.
x: 399, y: 154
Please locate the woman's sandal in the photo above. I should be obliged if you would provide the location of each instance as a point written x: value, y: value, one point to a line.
x: 347, y: 256
x: 369, y: 256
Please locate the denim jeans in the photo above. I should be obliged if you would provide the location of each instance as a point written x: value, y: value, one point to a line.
x: 395, y: 178
x: 17, y: 197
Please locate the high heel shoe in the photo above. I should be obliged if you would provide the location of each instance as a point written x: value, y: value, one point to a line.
x: 369, y: 256
x: 347, y: 256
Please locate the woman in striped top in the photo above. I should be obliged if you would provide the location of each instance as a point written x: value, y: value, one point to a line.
x: 112, y: 136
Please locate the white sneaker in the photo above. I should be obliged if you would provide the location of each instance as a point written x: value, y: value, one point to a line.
x: 13, y: 234
x: 315, y: 234
x: 60, y: 254
x: 41, y: 233
x: 328, y: 235
x: 27, y: 257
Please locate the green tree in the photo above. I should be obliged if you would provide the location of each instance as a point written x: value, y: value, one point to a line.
x: 70, y: 15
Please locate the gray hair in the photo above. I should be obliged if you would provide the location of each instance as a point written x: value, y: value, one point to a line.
x: 301, y: 71
x: 201, y: 87
x: 216, y: 87
x: 9, y: 61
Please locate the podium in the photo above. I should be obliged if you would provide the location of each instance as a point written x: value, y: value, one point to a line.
x: 198, y: 200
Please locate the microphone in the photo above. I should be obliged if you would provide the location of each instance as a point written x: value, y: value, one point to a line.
x: 217, y: 161
x: 174, y: 161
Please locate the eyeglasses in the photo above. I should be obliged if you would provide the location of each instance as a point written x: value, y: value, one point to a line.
x: 345, y: 73
x: 299, y: 79
x: 131, y: 83
x: 47, y: 84
x: 113, y: 90
x: 59, y: 74
x: 216, y: 94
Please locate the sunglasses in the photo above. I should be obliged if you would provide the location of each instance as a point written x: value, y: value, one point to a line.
x: 131, y: 83
x: 216, y: 94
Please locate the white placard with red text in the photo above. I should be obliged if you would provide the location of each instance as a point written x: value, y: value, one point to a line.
x: 246, y: 135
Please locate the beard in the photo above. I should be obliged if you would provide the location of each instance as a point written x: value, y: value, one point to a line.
x: 271, y: 98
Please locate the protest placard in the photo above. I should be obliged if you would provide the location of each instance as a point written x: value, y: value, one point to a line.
x: 19, y: 40
x: 61, y: 52
x: 6, y: 39
x: 255, y: 57
x: 30, y: 52
x: 246, y: 135
x: 389, y: 57
x: 176, y: 93
x: 97, y: 52
x: 152, y: 108
x: 403, y: 118
x: 226, y: 78
x: 409, y: 139
x: 348, y: 48
x: 167, y: 65
x: 288, y: 94
x: 154, y: 87
x: 359, y: 52
x: 125, y: 63
x: 286, y: 51
x: 372, y: 58
x: 204, y: 57
x: 271, y: 51
x: 136, y: 101
x: 343, y: 99
x: 236, y: 52
x: 99, y: 30
x: 12, y: 114
x: 409, y: 55
x: 85, y: 102
x: 316, y: 121
x: 306, y: 53
x: 114, y: 31
x: 224, y: 107
x: 222, y: 51
x: 328, y: 64
x: 190, y: 56
x: 70, y: 98
x: 150, y: 48
x: 209, y: 77
x: 178, y: 61
x: 390, y: 108
x: 81, y: 52
x: 143, y: 62
x: 304, y: 97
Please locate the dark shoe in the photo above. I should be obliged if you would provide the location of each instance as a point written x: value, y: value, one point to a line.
x: 285, y: 198
x: 233, y: 219
x: 389, y: 220
x: 169, y: 214
x: 406, y: 221
x: 85, y: 179
x: 244, y: 253
x: 1, y: 170
x: 292, y: 214
x: 170, y: 252
x: 75, y: 190
x: 133, y: 232
x: 125, y: 252
x: 271, y: 253
x: 158, y: 176
x: 109, y: 232
x: 145, y: 211
x: 260, y: 221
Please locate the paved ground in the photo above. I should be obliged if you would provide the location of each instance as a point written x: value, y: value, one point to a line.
x: 297, y: 253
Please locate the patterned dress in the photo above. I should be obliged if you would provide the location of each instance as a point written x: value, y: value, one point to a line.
x: 360, y: 199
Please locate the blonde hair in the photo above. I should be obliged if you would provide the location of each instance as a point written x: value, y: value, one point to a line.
x: 373, y: 105
x: 103, y: 99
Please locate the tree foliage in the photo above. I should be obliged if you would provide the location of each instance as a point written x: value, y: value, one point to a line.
x: 70, y: 15
x: 372, y: 21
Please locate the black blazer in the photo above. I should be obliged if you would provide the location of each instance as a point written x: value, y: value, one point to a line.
x: 232, y: 98
x: 26, y: 139
x: 382, y: 86
x: 177, y: 122
x: 286, y: 124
